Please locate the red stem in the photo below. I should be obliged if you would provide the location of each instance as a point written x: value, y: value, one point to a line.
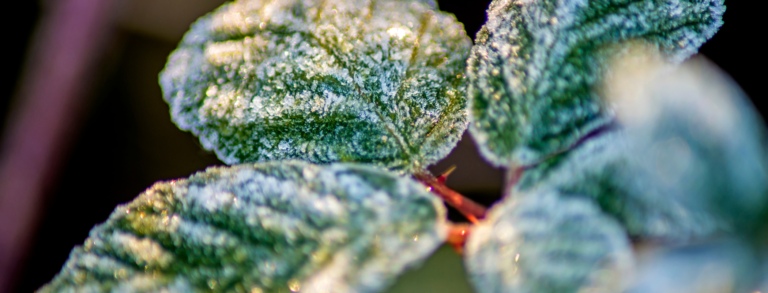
x: 457, y: 236
x: 470, y: 209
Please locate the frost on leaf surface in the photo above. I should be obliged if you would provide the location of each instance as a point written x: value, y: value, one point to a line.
x: 272, y: 227
x: 547, y: 242
x: 535, y: 63
x: 687, y: 161
x: 325, y: 81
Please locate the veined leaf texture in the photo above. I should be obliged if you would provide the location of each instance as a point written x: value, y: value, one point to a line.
x: 537, y: 64
x: 271, y: 227
x: 376, y: 82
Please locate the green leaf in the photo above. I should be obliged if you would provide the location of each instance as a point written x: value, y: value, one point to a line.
x: 687, y: 160
x: 547, y: 242
x: 324, y: 81
x: 723, y: 265
x: 536, y: 62
x: 698, y: 136
x: 272, y: 227
x: 607, y: 170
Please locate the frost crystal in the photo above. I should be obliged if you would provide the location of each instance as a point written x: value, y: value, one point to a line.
x: 336, y: 80
x: 535, y: 64
x: 545, y: 242
x: 273, y: 227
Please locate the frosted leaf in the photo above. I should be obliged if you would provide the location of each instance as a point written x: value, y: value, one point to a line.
x: 720, y: 266
x: 699, y: 137
x: 271, y: 227
x: 686, y: 160
x: 325, y: 81
x: 546, y: 242
x: 536, y: 62
x: 607, y: 170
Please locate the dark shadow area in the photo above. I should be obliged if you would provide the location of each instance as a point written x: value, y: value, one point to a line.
x: 16, y: 38
x: 127, y: 143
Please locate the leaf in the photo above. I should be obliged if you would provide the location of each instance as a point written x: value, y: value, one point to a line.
x: 698, y: 136
x: 272, y: 227
x: 686, y: 160
x: 606, y: 170
x: 324, y: 81
x: 725, y: 265
x: 536, y: 63
x: 544, y: 242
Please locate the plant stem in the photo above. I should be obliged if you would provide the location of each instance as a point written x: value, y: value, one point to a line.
x: 470, y: 209
x: 457, y: 236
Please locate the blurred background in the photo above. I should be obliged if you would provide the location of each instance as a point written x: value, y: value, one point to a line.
x: 113, y: 136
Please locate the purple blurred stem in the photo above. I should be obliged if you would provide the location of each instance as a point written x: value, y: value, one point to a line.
x: 65, y: 50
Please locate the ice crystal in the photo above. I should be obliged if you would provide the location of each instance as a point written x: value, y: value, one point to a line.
x: 334, y: 80
x: 546, y: 242
x: 536, y: 62
x: 271, y: 227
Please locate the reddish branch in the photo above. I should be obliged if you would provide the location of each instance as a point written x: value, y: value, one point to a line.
x: 457, y: 236
x: 470, y: 209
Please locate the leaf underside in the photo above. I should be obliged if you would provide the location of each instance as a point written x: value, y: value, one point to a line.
x: 547, y: 242
x: 272, y: 227
x: 325, y: 81
x: 535, y: 66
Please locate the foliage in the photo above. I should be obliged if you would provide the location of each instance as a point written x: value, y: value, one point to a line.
x: 326, y: 108
x: 323, y: 81
x: 268, y: 227
x: 536, y: 63
x: 549, y: 243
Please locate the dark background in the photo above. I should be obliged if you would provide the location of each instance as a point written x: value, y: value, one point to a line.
x: 125, y: 139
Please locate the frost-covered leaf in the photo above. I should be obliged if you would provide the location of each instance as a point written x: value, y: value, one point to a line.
x: 606, y: 170
x: 272, y: 227
x: 536, y: 62
x: 698, y: 135
x: 687, y: 159
x: 721, y: 266
x: 547, y: 242
x: 322, y: 80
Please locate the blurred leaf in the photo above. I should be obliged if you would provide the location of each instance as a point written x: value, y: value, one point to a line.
x: 324, y: 81
x: 717, y: 267
x: 698, y: 136
x: 535, y: 65
x: 606, y: 169
x: 547, y: 242
x: 687, y: 160
x: 273, y: 227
